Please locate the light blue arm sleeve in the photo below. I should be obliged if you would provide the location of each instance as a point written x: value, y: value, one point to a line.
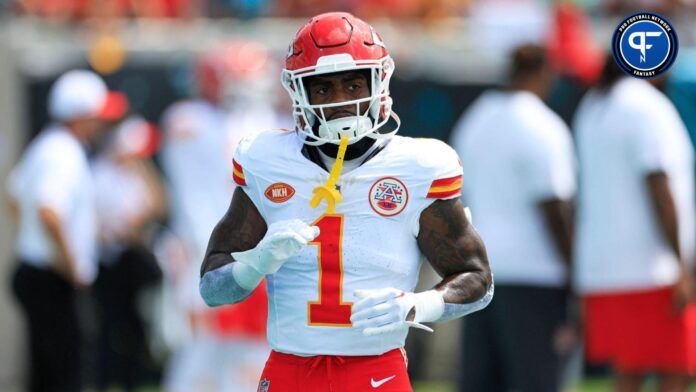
x: 453, y: 311
x: 219, y: 287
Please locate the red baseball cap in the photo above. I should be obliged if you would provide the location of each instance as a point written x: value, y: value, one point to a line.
x: 115, y: 106
x: 83, y: 94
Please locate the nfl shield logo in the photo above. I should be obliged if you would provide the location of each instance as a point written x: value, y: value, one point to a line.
x: 264, y: 384
x: 388, y: 196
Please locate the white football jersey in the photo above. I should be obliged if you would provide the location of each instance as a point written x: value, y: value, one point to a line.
x: 368, y: 243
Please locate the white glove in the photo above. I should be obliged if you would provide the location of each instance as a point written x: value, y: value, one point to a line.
x: 283, y: 240
x: 385, y: 310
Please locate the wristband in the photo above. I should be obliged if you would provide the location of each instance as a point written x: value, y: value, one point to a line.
x: 429, y: 306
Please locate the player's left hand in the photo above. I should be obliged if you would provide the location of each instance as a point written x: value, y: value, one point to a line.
x: 383, y: 311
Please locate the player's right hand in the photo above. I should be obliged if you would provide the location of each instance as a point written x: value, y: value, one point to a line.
x: 283, y: 240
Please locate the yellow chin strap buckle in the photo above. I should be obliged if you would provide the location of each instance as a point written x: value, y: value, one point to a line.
x: 329, y: 191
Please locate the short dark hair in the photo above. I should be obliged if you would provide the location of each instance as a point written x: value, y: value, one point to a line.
x: 527, y: 60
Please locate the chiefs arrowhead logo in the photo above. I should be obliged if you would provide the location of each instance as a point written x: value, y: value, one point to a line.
x: 279, y: 192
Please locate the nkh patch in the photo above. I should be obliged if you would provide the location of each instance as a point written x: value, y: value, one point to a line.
x: 279, y: 192
x: 388, y: 196
x: 264, y: 384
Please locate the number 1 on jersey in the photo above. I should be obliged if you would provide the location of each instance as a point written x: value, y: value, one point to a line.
x: 329, y: 310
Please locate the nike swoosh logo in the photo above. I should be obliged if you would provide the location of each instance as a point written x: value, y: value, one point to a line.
x: 377, y: 384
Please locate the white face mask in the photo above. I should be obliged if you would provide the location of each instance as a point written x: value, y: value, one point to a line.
x: 351, y: 126
x: 364, y: 124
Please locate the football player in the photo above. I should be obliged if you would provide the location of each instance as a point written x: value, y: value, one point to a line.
x: 340, y: 282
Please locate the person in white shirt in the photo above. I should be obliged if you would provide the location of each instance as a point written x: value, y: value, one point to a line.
x: 130, y: 202
x: 519, y: 177
x: 51, y: 196
x: 636, y: 232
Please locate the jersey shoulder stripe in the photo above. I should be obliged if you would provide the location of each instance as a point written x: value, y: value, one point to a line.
x: 256, y: 152
x: 437, y: 165
x: 445, y: 187
x: 238, y: 174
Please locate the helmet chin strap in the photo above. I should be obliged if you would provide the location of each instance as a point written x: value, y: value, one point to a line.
x: 351, y: 127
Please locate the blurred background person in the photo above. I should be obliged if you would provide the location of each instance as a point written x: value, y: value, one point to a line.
x: 635, y: 232
x: 52, y: 195
x: 519, y: 169
x: 201, y: 135
x: 130, y: 203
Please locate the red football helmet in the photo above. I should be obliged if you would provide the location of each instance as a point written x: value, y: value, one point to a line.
x: 339, y: 42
